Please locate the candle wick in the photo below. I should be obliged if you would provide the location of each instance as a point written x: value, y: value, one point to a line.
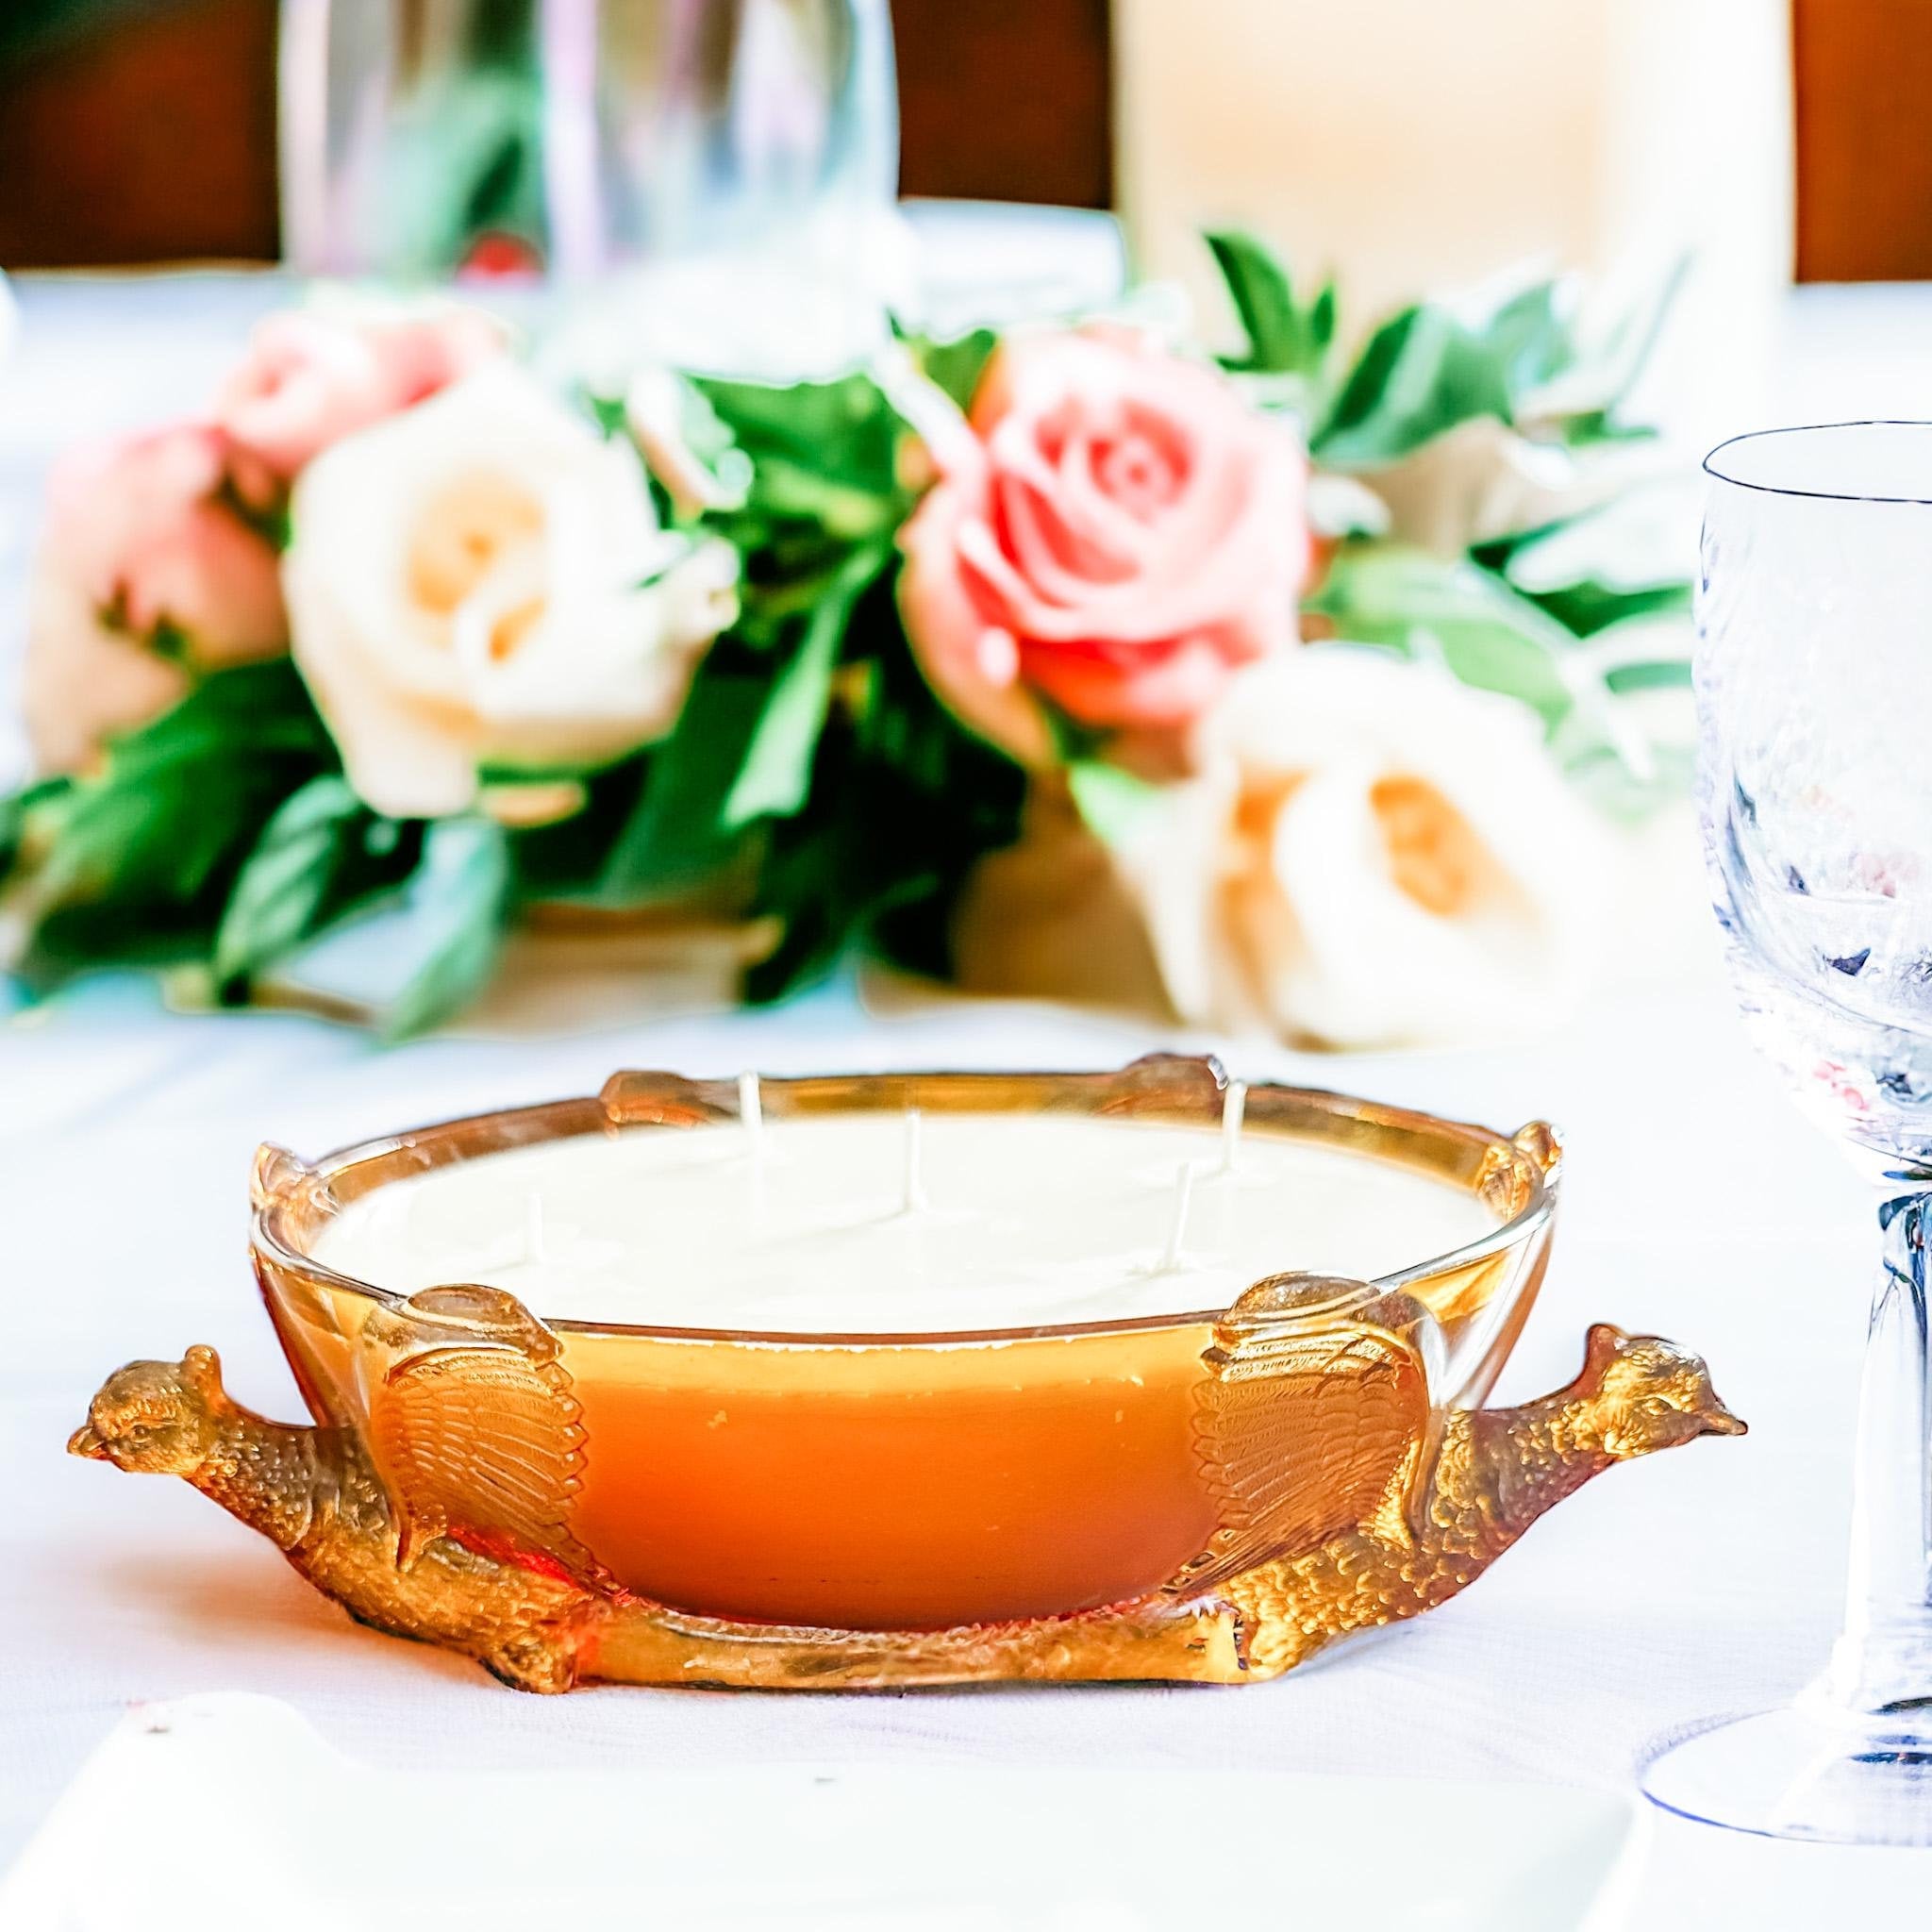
x: 1177, y: 1233
x: 913, y: 1200
x: 534, y: 1250
x: 1234, y: 1108
x: 751, y: 1111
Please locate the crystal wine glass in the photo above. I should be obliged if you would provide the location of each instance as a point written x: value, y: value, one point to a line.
x: 1814, y: 694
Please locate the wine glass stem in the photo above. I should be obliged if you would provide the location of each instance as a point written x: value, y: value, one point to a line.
x: 1882, y: 1665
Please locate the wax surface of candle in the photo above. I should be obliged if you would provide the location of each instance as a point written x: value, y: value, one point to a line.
x: 804, y: 1225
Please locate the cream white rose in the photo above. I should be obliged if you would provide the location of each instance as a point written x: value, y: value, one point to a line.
x: 480, y: 582
x: 1374, y: 855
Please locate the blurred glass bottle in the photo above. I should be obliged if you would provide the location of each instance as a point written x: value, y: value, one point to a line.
x: 586, y: 142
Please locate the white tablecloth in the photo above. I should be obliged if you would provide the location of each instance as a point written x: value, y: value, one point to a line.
x: 1697, y: 1205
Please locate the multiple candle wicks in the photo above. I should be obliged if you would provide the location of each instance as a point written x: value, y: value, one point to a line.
x: 914, y: 1202
x: 806, y: 1211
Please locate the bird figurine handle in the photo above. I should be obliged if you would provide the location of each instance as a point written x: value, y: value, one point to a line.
x: 1344, y: 1500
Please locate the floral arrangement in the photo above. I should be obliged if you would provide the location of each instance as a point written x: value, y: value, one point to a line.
x: 1063, y: 658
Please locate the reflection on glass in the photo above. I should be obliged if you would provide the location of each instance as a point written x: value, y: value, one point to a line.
x: 1815, y: 683
x: 423, y: 138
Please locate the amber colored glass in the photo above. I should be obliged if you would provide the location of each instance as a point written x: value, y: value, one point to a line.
x: 912, y: 1480
x: 1209, y: 1496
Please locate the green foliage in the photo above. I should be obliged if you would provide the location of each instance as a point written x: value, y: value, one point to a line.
x: 322, y: 853
x: 814, y: 530
x: 811, y: 772
x: 903, y: 802
x: 956, y: 363
x: 459, y: 901
x: 1587, y: 607
x: 826, y: 463
x: 1433, y: 365
x: 138, y: 860
x: 20, y: 814
x: 1426, y: 370
x: 1518, y: 357
x: 221, y: 832
x: 775, y: 780
x: 1487, y: 634
x: 1113, y: 802
x: 1285, y: 336
x: 674, y: 838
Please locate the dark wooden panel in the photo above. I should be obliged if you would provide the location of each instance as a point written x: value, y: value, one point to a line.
x: 1864, y: 75
x: 150, y: 136
x: 1005, y: 99
x: 145, y: 133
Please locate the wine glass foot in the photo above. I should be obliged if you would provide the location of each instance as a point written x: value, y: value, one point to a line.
x: 1799, y: 1772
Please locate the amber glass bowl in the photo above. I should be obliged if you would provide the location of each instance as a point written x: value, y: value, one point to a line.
x: 919, y: 1480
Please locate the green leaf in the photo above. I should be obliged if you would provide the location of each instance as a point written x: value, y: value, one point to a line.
x: 1419, y: 375
x: 956, y: 365
x: 20, y: 813
x: 565, y: 859
x: 776, y: 776
x: 1283, y: 337
x: 904, y: 802
x: 1529, y: 334
x: 459, y: 904
x: 1664, y: 673
x: 283, y: 889
x: 1487, y: 634
x: 827, y: 453
x: 1113, y: 802
x: 1587, y: 608
x: 180, y: 800
x: 1427, y: 369
x: 1584, y: 397
x: 676, y: 836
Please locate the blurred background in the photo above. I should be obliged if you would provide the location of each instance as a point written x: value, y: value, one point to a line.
x: 145, y: 130
x: 1402, y: 143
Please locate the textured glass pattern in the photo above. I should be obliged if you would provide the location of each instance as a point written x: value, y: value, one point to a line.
x: 1814, y: 691
x: 1815, y: 700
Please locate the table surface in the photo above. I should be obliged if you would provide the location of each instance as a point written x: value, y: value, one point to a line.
x: 1697, y: 1205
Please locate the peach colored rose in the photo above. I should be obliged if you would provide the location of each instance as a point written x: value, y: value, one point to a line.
x: 1117, y: 534
x: 139, y: 535
x: 311, y: 377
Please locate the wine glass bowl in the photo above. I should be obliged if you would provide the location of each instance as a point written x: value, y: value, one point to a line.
x: 1815, y: 692
x: 1814, y: 696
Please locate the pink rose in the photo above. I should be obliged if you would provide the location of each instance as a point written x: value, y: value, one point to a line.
x: 139, y: 535
x: 1114, y: 530
x: 311, y: 378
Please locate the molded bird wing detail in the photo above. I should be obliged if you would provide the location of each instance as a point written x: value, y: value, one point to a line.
x: 1315, y: 1406
x: 474, y: 1429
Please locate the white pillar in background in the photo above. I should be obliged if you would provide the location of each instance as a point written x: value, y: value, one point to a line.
x: 1422, y: 143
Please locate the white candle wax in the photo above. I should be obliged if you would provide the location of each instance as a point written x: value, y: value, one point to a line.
x: 864, y: 1224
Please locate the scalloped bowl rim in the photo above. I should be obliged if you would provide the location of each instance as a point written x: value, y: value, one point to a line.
x: 598, y: 1117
